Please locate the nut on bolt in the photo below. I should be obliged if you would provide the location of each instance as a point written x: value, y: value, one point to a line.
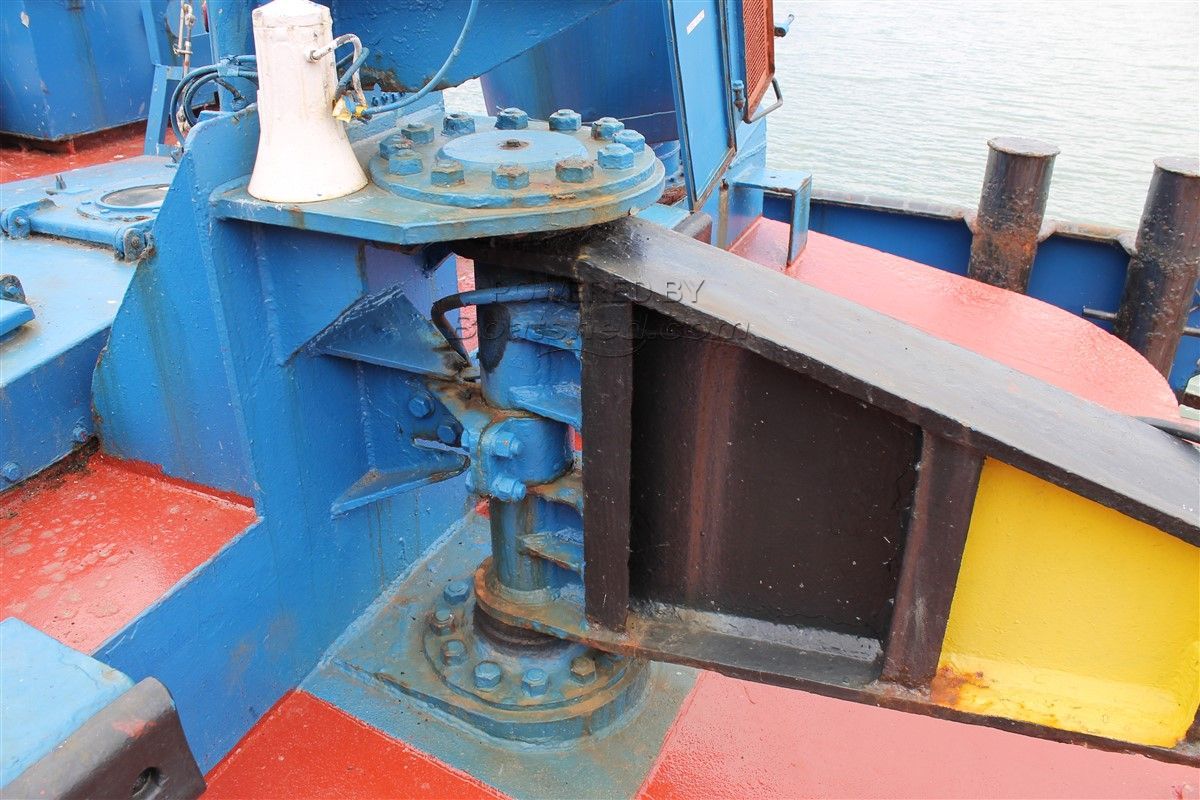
x: 441, y: 621
x: 405, y: 162
x: 392, y: 144
x: 456, y: 592
x: 420, y: 406
x: 418, y: 132
x: 511, y: 119
x: 565, y: 120
x: 631, y: 139
x: 487, y: 675
x: 534, y: 681
x: 507, y: 447
x: 583, y: 669
x: 448, y: 432
x: 510, y: 176
x: 11, y: 472
x: 454, y: 652
x: 574, y: 170
x: 606, y: 128
x: 457, y: 124
x: 447, y: 173
x: 508, y: 489
x: 615, y: 156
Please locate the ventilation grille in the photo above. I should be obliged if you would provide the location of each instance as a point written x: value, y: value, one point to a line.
x: 758, y: 21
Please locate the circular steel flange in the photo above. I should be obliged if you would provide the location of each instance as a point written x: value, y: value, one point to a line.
x: 532, y: 170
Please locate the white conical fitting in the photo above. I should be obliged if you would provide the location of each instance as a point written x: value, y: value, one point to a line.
x: 303, y: 151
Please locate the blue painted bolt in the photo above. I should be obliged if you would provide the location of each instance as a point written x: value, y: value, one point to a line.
x: 631, y: 139
x: 487, y: 675
x: 583, y: 669
x: 457, y: 124
x: 510, y: 176
x: 456, y: 592
x: 615, y: 156
x: 508, y: 489
x: 512, y: 119
x: 606, y: 127
x: 534, y: 681
x: 442, y: 621
x: 390, y: 145
x: 574, y: 170
x: 418, y: 132
x: 420, y: 406
x: 565, y: 120
x: 446, y: 173
x: 405, y: 162
x: 17, y: 225
x: 447, y: 433
x: 80, y: 434
x: 507, y: 447
x: 454, y: 652
x: 11, y: 472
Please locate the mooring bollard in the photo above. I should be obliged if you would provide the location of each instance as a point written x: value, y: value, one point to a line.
x: 1165, y: 265
x: 1011, y: 207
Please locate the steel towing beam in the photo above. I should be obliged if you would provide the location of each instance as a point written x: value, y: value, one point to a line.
x: 785, y: 486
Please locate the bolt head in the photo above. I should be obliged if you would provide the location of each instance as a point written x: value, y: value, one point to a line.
x: 615, y: 156
x: 441, y: 621
x: 457, y: 124
x: 447, y: 173
x: 11, y: 472
x: 447, y: 433
x: 80, y: 434
x: 565, y: 120
x: 405, y: 162
x: 418, y: 132
x: 583, y: 669
x: 392, y: 144
x: 508, y: 489
x: 420, y: 406
x: 487, y: 675
x: 631, y: 139
x: 510, y: 176
x: 454, y: 652
x: 574, y: 170
x: 456, y: 592
x: 512, y: 119
x: 134, y: 244
x: 508, y: 447
x: 606, y: 128
x: 534, y: 681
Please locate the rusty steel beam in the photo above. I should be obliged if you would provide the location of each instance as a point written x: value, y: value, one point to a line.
x: 1011, y: 208
x: 1161, y: 280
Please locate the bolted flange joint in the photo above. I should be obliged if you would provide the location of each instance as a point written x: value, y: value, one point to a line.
x: 535, y: 681
x: 615, y: 156
x: 512, y: 119
x: 405, y: 162
x: 574, y: 170
x: 454, y: 652
x: 487, y: 675
x: 510, y: 176
x: 631, y: 139
x: 606, y: 128
x: 418, y: 132
x: 447, y: 173
x: 441, y: 621
x: 457, y: 124
x: 565, y: 120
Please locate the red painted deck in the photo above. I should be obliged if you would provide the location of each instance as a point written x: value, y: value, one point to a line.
x: 84, y: 552
x: 20, y: 160
x: 306, y: 748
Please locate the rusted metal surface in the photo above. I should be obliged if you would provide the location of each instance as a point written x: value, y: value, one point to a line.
x: 937, y: 532
x: 1160, y: 286
x: 1011, y: 207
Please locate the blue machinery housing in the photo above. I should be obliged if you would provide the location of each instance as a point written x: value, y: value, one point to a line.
x: 298, y: 355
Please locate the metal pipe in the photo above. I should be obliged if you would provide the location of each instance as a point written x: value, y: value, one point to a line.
x: 1011, y: 207
x: 1162, y: 275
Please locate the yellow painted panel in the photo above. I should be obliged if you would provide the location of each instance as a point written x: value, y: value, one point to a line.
x: 1071, y: 614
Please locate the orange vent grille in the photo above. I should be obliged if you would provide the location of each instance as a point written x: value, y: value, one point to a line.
x: 758, y: 21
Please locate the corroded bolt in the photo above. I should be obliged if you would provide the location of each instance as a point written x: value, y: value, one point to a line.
x: 447, y: 173
x: 565, y: 120
x: 510, y: 176
x: 487, y: 675
x: 534, y: 681
x: 11, y: 472
x: 456, y: 592
x: 583, y: 669
x: 511, y: 119
x: 80, y: 434
x: 574, y: 170
x: 134, y: 243
x: 405, y: 162
x: 392, y: 144
x: 606, y: 127
x: 454, y: 652
x: 418, y: 132
x: 441, y: 621
x: 615, y: 156
x: 508, y: 489
x: 457, y: 124
x: 420, y: 406
x: 631, y: 139
x: 447, y: 432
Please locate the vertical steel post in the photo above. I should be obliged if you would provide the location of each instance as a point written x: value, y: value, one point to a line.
x: 1011, y: 207
x: 1165, y: 265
